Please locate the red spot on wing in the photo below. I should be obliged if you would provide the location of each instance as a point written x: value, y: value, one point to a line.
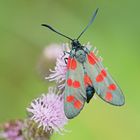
x: 112, y: 87
x: 73, y: 64
x: 93, y: 55
x: 92, y: 58
x: 103, y: 72
x: 77, y: 104
x: 108, y: 96
x: 69, y: 82
x: 99, y: 78
x: 87, y: 80
x: 76, y: 84
x: 70, y: 98
x: 68, y: 63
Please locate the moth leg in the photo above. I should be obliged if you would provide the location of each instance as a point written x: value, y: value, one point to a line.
x: 66, y: 60
x: 86, y: 50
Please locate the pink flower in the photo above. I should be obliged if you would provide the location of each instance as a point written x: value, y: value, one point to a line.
x: 48, y: 58
x: 12, y: 130
x: 48, y: 112
x: 52, y: 51
x: 59, y: 72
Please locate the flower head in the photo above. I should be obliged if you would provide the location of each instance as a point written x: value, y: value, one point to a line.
x: 12, y: 130
x: 48, y: 58
x: 59, y: 72
x: 52, y: 51
x: 48, y: 112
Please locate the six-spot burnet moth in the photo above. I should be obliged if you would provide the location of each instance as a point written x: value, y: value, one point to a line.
x: 85, y: 76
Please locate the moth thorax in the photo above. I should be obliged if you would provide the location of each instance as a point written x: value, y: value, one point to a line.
x: 80, y: 55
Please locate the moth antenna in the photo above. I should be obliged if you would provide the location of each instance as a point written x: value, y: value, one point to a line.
x: 91, y: 21
x: 51, y: 28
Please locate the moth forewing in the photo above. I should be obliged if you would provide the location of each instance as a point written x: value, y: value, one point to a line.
x: 74, y: 94
x: 102, y: 81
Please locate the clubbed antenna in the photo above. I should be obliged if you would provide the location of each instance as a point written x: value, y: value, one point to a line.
x: 48, y: 26
x: 91, y: 21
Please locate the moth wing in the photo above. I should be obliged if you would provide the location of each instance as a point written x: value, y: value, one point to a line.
x: 74, y: 93
x: 104, y: 85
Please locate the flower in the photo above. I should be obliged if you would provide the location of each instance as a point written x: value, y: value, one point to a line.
x: 59, y: 72
x: 12, y: 130
x: 32, y: 132
x: 52, y: 51
x: 48, y: 58
x: 48, y: 111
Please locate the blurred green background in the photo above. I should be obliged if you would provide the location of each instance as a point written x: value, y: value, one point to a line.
x: 115, y: 32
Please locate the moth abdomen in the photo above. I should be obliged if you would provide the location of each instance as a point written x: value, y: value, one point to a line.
x: 89, y: 92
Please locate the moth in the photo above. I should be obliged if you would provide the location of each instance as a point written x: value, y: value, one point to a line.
x: 86, y: 76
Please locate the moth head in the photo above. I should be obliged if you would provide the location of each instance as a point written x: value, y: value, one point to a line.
x: 75, y: 43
